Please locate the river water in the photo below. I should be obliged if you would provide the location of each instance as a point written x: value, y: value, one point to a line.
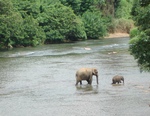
x: 40, y: 81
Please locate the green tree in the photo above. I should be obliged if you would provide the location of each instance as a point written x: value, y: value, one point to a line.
x: 33, y: 33
x: 32, y: 7
x: 107, y: 7
x: 60, y: 24
x: 10, y: 21
x: 74, y: 4
x: 79, y: 6
x: 16, y: 30
x: 140, y: 42
x: 95, y: 25
x: 86, y: 5
x: 123, y: 9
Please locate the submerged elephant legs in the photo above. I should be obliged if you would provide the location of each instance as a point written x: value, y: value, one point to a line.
x: 88, y: 80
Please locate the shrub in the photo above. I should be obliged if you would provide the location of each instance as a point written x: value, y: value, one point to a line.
x: 94, y: 24
x: 61, y: 24
x: 134, y: 32
x: 140, y: 44
x: 124, y: 9
x: 33, y: 33
x: 139, y: 48
x: 121, y: 25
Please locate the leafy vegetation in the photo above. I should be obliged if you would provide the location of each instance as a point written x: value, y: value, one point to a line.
x: 122, y: 21
x: 34, y: 22
x: 60, y: 23
x: 16, y: 30
x: 94, y: 30
x: 121, y: 25
x: 140, y: 37
x: 124, y: 9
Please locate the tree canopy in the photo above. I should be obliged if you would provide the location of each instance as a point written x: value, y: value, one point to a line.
x: 140, y: 36
x: 34, y: 22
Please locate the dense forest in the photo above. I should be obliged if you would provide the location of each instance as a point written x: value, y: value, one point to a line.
x: 34, y: 22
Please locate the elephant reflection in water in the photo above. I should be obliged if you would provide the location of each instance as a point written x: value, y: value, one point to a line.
x: 86, y: 74
x: 87, y: 89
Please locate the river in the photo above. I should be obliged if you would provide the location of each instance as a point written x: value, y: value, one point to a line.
x: 40, y: 81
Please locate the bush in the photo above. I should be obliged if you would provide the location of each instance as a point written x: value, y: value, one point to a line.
x: 139, y: 48
x: 134, y: 32
x: 121, y: 25
x: 10, y: 25
x: 94, y: 24
x: 124, y: 9
x: 61, y: 24
x: 33, y: 33
x: 16, y: 30
x: 10, y: 30
x: 140, y: 44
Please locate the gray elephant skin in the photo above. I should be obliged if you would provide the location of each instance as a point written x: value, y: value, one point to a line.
x: 117, y: 79
x: 86, y: 74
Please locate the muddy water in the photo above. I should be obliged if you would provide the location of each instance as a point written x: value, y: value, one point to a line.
x: 41, y: 81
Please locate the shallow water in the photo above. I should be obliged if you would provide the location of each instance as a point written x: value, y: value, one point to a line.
x: 40, y: 81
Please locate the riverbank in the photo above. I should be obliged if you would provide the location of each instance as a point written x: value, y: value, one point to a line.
x: 117, y: 35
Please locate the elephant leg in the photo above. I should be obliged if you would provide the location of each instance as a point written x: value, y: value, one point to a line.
x: 77, y: 81
x: 88, y: 81
x: 80, y: 82
x: 114, y: 82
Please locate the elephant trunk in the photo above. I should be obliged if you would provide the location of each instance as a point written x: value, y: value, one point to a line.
x: 123, y: 81
x: 97, y: 79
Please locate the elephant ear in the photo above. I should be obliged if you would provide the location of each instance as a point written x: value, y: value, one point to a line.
x: 94, y: 71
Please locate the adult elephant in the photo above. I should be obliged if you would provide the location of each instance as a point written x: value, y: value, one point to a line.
x: 86, y: 74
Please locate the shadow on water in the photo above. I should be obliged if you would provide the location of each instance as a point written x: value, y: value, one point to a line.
x: 87, y: 89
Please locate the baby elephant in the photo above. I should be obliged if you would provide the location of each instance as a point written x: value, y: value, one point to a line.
x: 117, y: 79
x: 86, y: 74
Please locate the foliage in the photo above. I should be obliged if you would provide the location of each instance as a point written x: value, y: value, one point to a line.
x: 5, y: 7
x: 32, y: 7
x: 94, y: 24
x: 33, y: 33
x: 27, y: 7
x: 117, y: 14
x: 140, y: 49
x: 60, y: 24
x: 124, y: 9
x: 134, y: 32
x: 10, y: 21
x: 141, y: 16
x: 74, y: 4
x: 34, y: 22
x: 10, y: 29
x: 86, y: 5
x: 18, y: 31
x: 107, y: 7
x: 140, y: 43
x: 121, y: 25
